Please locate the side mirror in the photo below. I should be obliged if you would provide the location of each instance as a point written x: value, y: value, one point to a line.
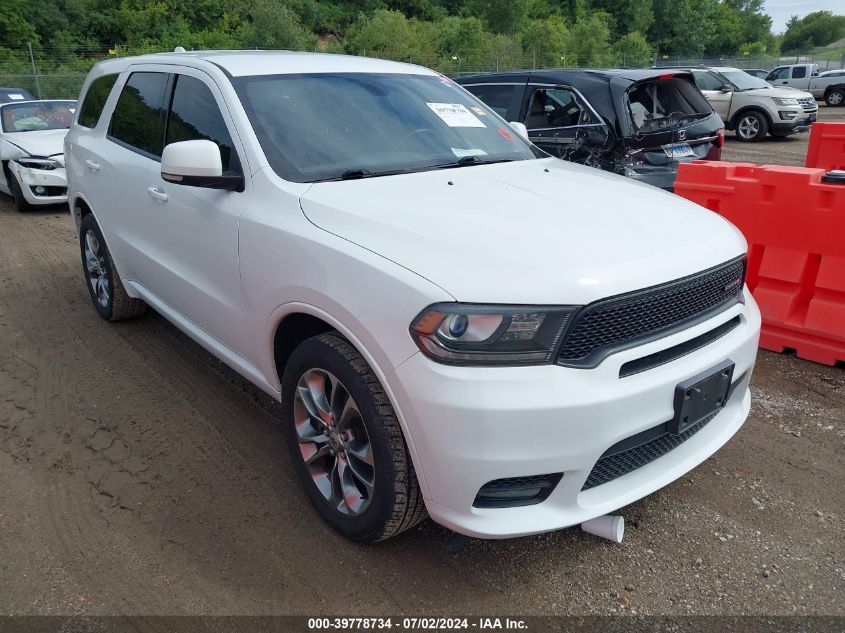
x: 197, y: 164
x: 520, y: 129
x: 726, y: 88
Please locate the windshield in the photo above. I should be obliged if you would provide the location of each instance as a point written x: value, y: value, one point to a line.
x: 322, y: 126
x: 37, y: 115
x: 741, y: 80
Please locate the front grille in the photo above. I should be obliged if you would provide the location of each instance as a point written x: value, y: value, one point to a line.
x: 808, y: 104
x: 516, y: 491
x: 624, y: 321
x: 612, y: 465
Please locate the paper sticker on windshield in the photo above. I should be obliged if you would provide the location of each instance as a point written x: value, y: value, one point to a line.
x: 478, y: 111
x: 17, y: 97
x: 455, y: 115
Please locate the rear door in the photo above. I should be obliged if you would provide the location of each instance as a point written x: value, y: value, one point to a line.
x: 563, y: 123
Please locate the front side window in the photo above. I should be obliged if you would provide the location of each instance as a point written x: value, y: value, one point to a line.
x: 778, y: 73
x: 195, y: 115
x: 95, y: 100
x: 331, y: 126
x: 37, y: 115
x: 799, y: 72
x: 497, y: 97
x: 707, y: 81
x: 138, y: 119
x: 554, y: 107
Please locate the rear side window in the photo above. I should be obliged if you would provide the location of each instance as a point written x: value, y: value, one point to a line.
x: 799, y: 72
x: 138, y: 119
x: 95, y: 100
x: 499, y: 98
x: 194, y: 115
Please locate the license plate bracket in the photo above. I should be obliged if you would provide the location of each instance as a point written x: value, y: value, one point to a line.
x: 701, y: 396
x: 678, y: 150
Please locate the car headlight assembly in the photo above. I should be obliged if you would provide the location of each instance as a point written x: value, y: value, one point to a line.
x: 472, y: 334
x: 31, y: 162
x: 789, y: 101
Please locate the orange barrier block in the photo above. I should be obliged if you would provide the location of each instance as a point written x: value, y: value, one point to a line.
x: 795, y: 227
x: 827, y: 146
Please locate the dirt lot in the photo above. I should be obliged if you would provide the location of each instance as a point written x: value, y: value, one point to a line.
x: 139, y: 476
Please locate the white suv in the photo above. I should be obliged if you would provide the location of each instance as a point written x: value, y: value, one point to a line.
x: 452, y: 320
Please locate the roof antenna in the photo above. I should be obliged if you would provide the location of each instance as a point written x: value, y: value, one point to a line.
x: 179, y: 49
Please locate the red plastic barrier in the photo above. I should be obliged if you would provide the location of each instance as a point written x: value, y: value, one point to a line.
x: 827, y: 146
x: 795, y: 227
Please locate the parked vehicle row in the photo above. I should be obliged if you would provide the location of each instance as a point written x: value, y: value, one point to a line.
x: 638, y: 123
x: 453, y: 320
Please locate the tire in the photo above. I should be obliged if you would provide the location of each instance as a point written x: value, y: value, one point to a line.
x: 835, y: 98
x: 101, y: 276
x: 20, y: 202
x: 751, y: 126
x: 355, y: 439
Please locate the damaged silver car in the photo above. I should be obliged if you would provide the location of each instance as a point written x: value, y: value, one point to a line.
x: 639, y: 123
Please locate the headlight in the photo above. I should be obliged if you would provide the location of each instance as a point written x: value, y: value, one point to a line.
x: 471, y: 334
x: 38, y: 163
x: 785, y: 102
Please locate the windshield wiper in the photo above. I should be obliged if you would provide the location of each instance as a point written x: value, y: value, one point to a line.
x: 467, y: 161
x: 352, y: 174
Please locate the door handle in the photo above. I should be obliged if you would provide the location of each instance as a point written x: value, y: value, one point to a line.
x: 92, y: 165
x: 157, y: 194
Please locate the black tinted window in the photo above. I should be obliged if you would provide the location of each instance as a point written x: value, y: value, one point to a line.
x: 499, y: 98
x: 194, y: 115
x: 799, y: 72
x: 138, y: 116
x: 95, y: 100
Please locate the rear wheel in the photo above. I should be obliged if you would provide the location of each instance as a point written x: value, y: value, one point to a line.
x: 103, y: 281
x: 346, y: 444
x: 751, y: 127
x: 835, y: 98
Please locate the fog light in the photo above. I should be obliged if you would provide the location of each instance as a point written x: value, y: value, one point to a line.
x: 787, y: 116
x: 40, y: 190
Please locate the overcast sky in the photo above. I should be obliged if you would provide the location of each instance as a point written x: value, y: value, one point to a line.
x: 781, y: 10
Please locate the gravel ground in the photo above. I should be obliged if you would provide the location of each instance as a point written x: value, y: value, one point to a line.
x: 776, y: 151
x: 140, y: 476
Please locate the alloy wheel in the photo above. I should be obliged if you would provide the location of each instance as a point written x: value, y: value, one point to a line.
x: 748, y: 127
x: 333, y: 442
x: 835, y: 98
x: 95, y: 264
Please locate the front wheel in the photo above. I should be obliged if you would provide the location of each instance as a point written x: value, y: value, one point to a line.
x: 346, y: 443
x: 835, y: 98
x: 21, y: 203
x: 751, y: 127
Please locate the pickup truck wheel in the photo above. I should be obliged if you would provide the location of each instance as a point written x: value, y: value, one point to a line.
x: 346, y: 443
x: 751, y: 127
x: 103, y: 281
x: 20, y: 202
x: 835, y: 98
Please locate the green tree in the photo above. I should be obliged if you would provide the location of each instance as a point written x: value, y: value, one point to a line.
x: 633, y: 50
x: 589, y: 41
x: 501, y: 16
x: 386, y: 34
x: 275, y: 25
x: 626, y: 15
x: 546, y: 41
x: 814, y: 29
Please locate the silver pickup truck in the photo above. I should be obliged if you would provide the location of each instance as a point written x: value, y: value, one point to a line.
x: 829, y: 88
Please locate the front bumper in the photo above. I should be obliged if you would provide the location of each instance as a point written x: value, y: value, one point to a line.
x: 470, y: 426
x: 800, y: 123
x: 54, y: 182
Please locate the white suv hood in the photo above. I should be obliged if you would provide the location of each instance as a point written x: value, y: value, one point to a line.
x: 780, y: 93
x: 38, y: 142
x: 528, y: 232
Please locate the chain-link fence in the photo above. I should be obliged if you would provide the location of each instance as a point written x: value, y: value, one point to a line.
x: 46, y: 83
